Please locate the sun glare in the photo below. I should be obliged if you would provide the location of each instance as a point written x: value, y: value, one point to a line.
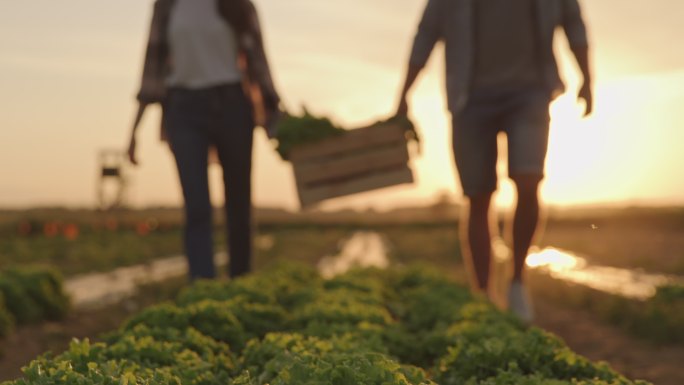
x: 554, y: 260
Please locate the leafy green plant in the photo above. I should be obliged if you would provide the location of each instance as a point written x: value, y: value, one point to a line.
x: 483, y: 350
x: 30, y: 294
x: 659, y: 319
x: 211, y: 318
x: 363, y: 327
x: 669, y: 293
x: 6, y: 319
x: 296, y: 130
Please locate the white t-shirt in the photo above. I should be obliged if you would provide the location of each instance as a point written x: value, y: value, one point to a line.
x: 203, y: 46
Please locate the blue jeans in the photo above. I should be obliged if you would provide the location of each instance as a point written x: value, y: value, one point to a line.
x: 195, y: 120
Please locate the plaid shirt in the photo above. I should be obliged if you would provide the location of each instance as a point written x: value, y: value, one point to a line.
x: 257, y: 76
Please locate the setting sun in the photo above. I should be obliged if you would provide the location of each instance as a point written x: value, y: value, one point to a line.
x: 627, y: 151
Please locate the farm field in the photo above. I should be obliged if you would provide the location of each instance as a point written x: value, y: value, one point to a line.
x: 593, y: 234
x: 82, y: 242
x: 285, y: 325
x: 638, y: 238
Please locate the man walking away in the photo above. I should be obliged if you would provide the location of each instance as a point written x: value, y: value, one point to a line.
x: 501, y: 75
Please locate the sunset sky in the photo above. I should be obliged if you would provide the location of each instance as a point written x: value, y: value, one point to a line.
x: 69, y: 71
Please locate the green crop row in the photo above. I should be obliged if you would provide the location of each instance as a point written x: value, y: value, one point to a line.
x: 30, y: 295
x: 92, y: 251
x: 287, y: 326
x: 102, y: 251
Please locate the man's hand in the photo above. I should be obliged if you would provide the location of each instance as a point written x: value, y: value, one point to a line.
x: 581, y: 53
x: 586, y: 94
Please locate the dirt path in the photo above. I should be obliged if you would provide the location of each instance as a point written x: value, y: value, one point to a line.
x: 590, y: 337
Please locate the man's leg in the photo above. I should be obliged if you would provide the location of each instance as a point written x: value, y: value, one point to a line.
x: 525, y: 220
x: 528, y: 133
x: 477, y: 240
x: 524, y: 227
x: 475, y: 152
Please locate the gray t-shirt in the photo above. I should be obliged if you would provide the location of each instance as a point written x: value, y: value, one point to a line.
x: 506, y: 52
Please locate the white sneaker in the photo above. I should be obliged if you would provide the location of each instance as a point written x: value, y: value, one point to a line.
x: 519, y: 302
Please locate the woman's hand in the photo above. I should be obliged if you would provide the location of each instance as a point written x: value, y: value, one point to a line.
x: 131, y: 151
x: 132, y: 144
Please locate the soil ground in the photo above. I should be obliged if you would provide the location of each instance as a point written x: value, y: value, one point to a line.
x: 589, y: 336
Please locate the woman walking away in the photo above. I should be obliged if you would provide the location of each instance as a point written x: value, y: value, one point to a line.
x: 205, y: 64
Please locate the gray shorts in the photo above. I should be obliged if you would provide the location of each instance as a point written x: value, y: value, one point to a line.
x: 523, y: 115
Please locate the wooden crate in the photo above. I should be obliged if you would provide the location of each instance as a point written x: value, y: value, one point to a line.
x: 359, y: 160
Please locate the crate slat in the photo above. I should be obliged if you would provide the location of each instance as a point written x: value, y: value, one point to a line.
x: 351, y: 140
x: 359, y: 160
x: 351, y: 164
x: 370, y: 182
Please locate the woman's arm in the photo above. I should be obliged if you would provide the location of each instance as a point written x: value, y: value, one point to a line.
x: 259, y: 61
x: 152, y: 86
x: 267, y: 100
x: 155, y: 67
x: 132, y: 144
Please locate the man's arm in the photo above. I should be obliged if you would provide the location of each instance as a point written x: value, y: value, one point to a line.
x: 411, y: 75
x: 429, y: 32
x: 576, y: 31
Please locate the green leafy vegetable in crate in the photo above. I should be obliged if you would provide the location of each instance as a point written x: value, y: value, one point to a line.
x: 296, y: 130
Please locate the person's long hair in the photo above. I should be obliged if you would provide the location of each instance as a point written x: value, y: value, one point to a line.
x: 237, y: 13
